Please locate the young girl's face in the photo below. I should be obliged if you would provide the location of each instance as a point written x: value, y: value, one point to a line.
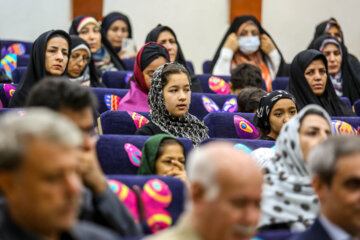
x: 177, y: 94
x: 171, y: 161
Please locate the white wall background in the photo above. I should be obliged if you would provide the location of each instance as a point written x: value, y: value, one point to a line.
x: 291, y: 23
x: 199, y: 24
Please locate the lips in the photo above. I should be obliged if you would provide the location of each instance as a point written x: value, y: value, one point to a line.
x: 318, y: 86
x: 58, y: 66
x: 181, y: 106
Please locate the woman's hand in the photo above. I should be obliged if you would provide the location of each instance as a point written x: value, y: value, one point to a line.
x: 266, y: 45
x: 178, y: 171
x: 231, y: 42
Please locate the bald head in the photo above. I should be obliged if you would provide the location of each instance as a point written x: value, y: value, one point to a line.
x: 225, y: 185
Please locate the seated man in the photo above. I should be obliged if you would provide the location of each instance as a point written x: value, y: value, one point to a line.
x: 39, y: 177
x: 75, y: 102
x: 225, y: 195
x: 335, y: 165
x: 245, y: 75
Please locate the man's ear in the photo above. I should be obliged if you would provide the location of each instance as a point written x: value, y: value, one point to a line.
x: 197, y: 193
x: 7, y: 183
x: 320, y: 187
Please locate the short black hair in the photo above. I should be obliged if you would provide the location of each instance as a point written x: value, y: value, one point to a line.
x: 249, y: 98
x: 57, y: 93
x: 246, y: 75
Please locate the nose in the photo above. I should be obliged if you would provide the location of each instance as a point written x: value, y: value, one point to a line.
x: 168, y: 46
x: 73, y: 184
x: 182, y: 95
x: 286, y: 117
x: 250, y: 215
x: 331, y: 57
x: 323, y: 136
x: 59, y: 56
x: 317, y: 75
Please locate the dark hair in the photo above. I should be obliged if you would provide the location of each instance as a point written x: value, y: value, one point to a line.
x: 59, y: 92
x: 173, y: 68
x: 249, y: 98
x: 168, y: 141
x: 246, y: 75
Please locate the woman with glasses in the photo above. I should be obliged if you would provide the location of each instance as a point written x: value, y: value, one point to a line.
x: 81, y: 67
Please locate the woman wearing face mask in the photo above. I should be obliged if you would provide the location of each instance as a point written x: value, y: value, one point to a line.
x: 163, y: 155
x: 169, y: 100
x: 275, y: 109
x: 104, y: 56
x: 309, y: 83
x: 49, y: 56
x: 165, y: 36
x: 115, y: 27
x: 81, y: 68
x: 289, y: 201
x: 342, y: 75
x: 247, y: 41
x: 149, y: 58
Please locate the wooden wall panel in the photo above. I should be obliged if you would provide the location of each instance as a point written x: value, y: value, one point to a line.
x: 245, y: 7
x: 88, y: 7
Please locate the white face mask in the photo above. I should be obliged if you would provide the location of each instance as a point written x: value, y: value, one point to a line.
x: 249, y: 45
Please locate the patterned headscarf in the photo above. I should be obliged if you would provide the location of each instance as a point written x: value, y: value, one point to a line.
x: 187, y: 126
x: 261, y: 118
x: 287, y: 193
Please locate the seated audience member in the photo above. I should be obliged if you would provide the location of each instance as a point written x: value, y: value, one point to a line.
x: 39, y: 179
x: 165, y: 36
x: 49, y: 56
x: 309, y: 84
x: 223, y: 203
x: 115, y: 27
x: 149, y: 58
x: 244, y: 75
x: 169, y: 101
x: 163, y: 155
x: 275, y: 109
x: 335, y: 167
x: 289, y: 201
x: 100, y: 204
x: 81, y: 68
x: 342, y: 75
x: 104, y: 56
x: 333, y: 28
x: 249, y: 98
x: 246, y: 41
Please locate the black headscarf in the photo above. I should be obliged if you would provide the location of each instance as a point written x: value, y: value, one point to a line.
x: 302, y: 91
x: 283, y: 68
x: 113, y: 54
x: 261, y: 118
x: 36, y: 68
x: 93, y: 74
x: 109, y: 19
x: 153, y: 36
x: 351, y: 81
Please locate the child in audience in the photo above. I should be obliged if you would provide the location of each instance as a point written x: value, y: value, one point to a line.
x: 148, y: 59
x: 247, y: 41
x: 342, y: 74
x: 275, y: 109
x: 249, y: 98
x: 289, y: 201
x: 309, y: 83
x: 169, y: 100
x: 164, y: 35
x: 115, y: 27
x: 104, y: 56
x: 49, y: 56
x: 163, y: 155
x: 81, y: 68
x: 245, y: 75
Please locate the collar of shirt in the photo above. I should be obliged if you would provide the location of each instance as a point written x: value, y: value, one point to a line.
x: 334, y: 231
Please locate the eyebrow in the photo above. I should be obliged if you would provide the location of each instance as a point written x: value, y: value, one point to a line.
x: 187, y: 85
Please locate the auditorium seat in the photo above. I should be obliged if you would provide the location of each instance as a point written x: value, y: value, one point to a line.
x: 129, y: 63
x: 116, y: 79
x: 204, y: 81
x: 206, y: 66
x: 7, y: 43
x: 4, y: 96
x: 17, y: 74
x: 100, y: 95
x: 357, y: 107
x: 280, y: 83
x: 119, y: 122
x: 23, y: 60
x: 114, y: 158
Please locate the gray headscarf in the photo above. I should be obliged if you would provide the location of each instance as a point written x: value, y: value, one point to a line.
x: 187, y: 126
x: 287, y: 193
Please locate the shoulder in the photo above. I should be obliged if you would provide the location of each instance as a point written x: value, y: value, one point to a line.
x: 316, y: 231
x: 86, y: 230
x: 149, y: 130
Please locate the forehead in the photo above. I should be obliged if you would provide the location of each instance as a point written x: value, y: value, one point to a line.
x: 284, y: 103
x: 331, y: 47
x: 316, y: 121
x: 318, y: 63
x: 81, y: 52
x: 166, y: 34
x: 57, y: 42
x: 119, y: 23
x: 177, y: 79
x: 90, y: 26
x: 348, y: 166
x: 173, y: 149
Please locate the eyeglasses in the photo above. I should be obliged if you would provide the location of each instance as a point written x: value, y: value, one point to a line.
x: 78, y: 58
x: 93, y: 133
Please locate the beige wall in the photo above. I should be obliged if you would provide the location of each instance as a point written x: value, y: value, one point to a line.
x: 292, y: 22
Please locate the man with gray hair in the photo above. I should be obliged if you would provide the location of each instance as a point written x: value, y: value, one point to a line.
x: 335, y: 165
x: 40, y: 180
x: 224, y: 199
